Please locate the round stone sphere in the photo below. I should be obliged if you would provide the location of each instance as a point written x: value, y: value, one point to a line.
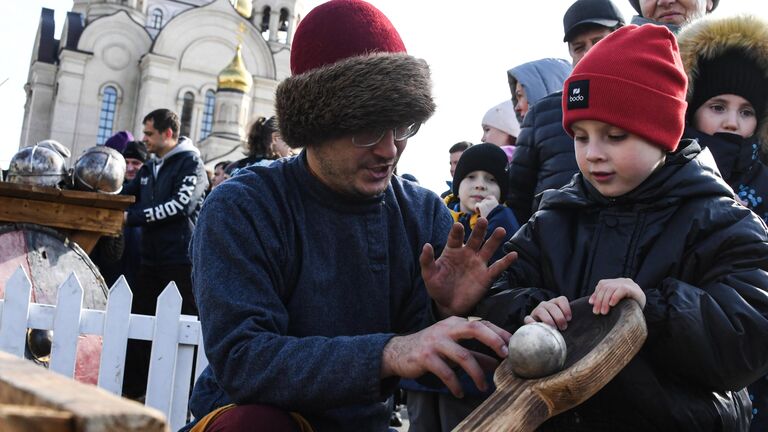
x: 537, y: 350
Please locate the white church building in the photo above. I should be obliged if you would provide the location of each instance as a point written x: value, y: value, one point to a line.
x: 216, y: 63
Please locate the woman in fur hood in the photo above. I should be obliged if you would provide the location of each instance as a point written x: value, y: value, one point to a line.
x: 727, y: 65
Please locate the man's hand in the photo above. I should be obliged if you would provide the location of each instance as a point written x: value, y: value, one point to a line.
x: 436, y: 348
x: 461, y: 276
x: 608, y: 292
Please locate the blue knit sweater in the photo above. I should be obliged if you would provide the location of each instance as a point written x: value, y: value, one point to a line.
x: 299, y: 290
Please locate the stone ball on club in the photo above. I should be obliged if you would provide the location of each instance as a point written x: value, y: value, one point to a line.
x: 537, y: 350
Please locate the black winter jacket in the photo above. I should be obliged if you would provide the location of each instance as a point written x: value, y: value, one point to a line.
x: 167, y: 205
x: 702, y: 260
x: 544, y: 158
x: 739, y: 162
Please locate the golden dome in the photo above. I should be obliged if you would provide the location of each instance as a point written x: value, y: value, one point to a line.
x: 243, y: 7
x: 236, y: 76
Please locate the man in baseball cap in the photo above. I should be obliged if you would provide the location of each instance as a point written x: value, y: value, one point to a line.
x: 546, y: 160
x: 307, y: 273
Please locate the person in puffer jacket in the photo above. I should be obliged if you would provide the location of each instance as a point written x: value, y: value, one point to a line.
x: 727, y: 65
x: 531, y: 81
x: 544, y: 158
x: 647, y: 218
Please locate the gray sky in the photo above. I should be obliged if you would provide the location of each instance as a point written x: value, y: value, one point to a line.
x: 469, y: 49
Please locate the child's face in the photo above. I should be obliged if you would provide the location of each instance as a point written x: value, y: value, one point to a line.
x: 613, y: 160
x: 495, y: 136
x: 475, y: 187
x: 726, y: 113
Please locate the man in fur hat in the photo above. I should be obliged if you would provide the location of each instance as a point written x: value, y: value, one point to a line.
x: 307, y: 273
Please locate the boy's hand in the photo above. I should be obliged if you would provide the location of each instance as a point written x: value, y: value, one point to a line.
x: 609, y: 291
x: 486, y: 206
x: 555, y: 312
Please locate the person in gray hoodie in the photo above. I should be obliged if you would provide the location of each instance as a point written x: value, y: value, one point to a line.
x: 544, y: 156
x: 169, y: 191
x: 531, y: 81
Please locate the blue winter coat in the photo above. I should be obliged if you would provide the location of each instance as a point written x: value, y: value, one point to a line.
x: 299, y: 290
x: 544, y: 158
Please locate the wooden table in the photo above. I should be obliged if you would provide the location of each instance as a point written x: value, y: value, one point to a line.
x: 83, y: 216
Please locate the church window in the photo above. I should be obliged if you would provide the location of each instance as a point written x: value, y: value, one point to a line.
x: 283, y: 26
x: 157, y: 19
x: 107, y: 114
x: 207, y: 126
x: 266, y: 14
x: 186, y: 114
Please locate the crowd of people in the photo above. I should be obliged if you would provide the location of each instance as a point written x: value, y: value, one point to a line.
x: 326, y: 283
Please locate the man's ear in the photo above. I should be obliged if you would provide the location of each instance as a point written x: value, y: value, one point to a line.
x: 168, y: 133
x: 710, y: 5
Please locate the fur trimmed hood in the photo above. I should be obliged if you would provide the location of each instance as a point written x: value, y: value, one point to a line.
x: 367, y: 92
x: 708, y: 38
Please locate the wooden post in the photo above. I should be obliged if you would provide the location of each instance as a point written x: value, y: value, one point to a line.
x: 91, y: 408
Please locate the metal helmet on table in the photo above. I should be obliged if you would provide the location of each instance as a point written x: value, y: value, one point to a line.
x: 38, y: 165
x: 100, y: 169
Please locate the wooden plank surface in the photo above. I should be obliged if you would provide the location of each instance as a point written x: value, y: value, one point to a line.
x: 61, y: 215
x: 19, y: 418
x: 93, y: 409
x: 52, y: 194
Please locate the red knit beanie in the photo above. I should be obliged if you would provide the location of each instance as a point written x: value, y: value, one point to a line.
x: 633, y: 79
x: 341, y: 29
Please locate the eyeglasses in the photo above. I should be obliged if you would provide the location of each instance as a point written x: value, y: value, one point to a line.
x: 371, y: 138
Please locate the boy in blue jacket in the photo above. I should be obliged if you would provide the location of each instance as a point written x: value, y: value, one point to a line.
x: 479, y: 185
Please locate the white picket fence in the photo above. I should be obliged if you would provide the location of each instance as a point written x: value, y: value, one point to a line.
x: 174, y: 337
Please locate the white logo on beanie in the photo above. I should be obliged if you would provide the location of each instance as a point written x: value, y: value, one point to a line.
x: 579, y: 94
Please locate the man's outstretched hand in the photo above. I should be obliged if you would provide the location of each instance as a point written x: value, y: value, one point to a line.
x: 435, y: 349
x: 461, y: 276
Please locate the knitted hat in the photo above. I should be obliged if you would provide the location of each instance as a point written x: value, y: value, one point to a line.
x: 136, y: 150
x: 482, y: 157
x: 731, y: 73
x: 503, y: 118
x: 119, y: 140
x: 350, y: 74
x: 707, y: 39
x: 582, y: 12
x: 633, y: 79
x: 636, y: 4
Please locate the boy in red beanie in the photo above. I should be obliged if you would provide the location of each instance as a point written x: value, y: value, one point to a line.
x: 647, y: 218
